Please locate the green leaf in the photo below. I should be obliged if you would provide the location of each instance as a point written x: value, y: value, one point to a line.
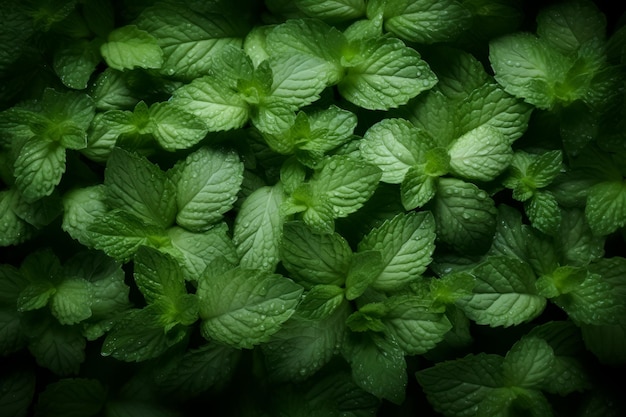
x: 504, y: 294
x: 384, y: 74
x: 406, y: 242
x: 569, y: 26
x: 72, y: 397
x: 56, y: 347
x: 258, y: 227
x: 414, y: 325
x: 71, y: 302
x: 157, y: 275
x: 528, y: 363
x: 13, y: 230
x: 606, y: 207
x: 544, y: 212
x: 528, y: 68
x: 379, y: 367
x: 111, y: 91
x: 129, y: 47
x: 17, y: 390
x: 174, y: 128
x: 198, y: 370
x: 195, y: 251
x: 244, y: 307
x: 138, y: 336
x: 314, y: 258
x: 395, y: 145
x: 417, y: 188
x: 140, y: 188
x: 346, y: 182
x: 303, y: 346
x: 314, y: 39
x: 214, y: 102
x: 575, y: 241
x: 457, y: 387
x: 190, y: 39
x: 75, y: 62
x: 465, y: 216
x: 38, y: 168
x: 320, y: 302
x: 82, y: 207
x: 297, y: 80
x: 365, y: 267
x: 120, y: 234
x: 332, y: 10
x: 426, y: 21
x: 481, y: 154
x: 207, y: 182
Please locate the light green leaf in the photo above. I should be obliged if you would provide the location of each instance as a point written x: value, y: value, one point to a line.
x: 417, y: 188
x: 480, y: 154
x: 195, y: 251
x: 415, y: 325
x: 406, y: 242
x: 314, y: 39
x: 137, y: 186
x: 465, y: 216
x: 189, y: 39
x: 174, y: 128
x: 157, y: 275
x: 38, y: 168
x: 258, y: 228
x: 332, y: 10
x: 365, y: 267
x: 82, y: 207
x: 297, y: 79
x: 71, y: 302
x: 379, y: 367
x: 129, y: 47
x: 346, y: 182
x: 244, y: 307
x: 528, y: 363
x: 504, y: 294
x: 320, y: 302
x: 528, y: 68
x: 314, y: 258
x: 119, y: 234
x: 543, y: 212
x: 207, y: 182
x: 426, y: 21
x: 606, y: 207
x: 395, y: 145
x: 385, y: 74
x: 457, y: 387
x: 214, y: 102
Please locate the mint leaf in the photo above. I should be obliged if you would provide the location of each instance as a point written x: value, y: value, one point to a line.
x: 297, y: 80
x: 258, y: 227
x: 140, y: 188
x: 75, y: 62
x: 332, y: 10
x: 384, y: 74
x: 379, y: 367
x: 528, y: 363
x: 504, y: 294
x: 414, y: 325
x: 304, y: 345
x: 314, y: 258
x: 214, y: 102
x: 320, y: 302
x: 606, y: 207
x: 189, y: 39
x: 18, y: 389
x: 406, y: 244
x: 207, y: 182
x: 464, y: 214
x: 157, y: 275
x: 244, y: 307
x: 175, y: 128
x: 72, y: 396
x: 56, y: 347
x: 82, y: 207
x: 129, y: 47
x: 426, y: 21
x: 70, y: 303
x: 543, y: 212
x: 395, y: 145
x: 39, y: 166
x: 481, y: 154
x: 458, y: 387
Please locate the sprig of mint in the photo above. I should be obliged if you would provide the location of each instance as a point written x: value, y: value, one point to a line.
x: 312, y: 208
